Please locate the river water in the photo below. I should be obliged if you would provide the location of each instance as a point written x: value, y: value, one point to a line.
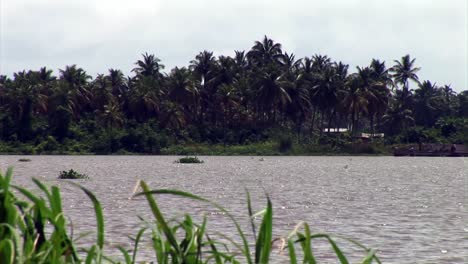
x: 411, y: 209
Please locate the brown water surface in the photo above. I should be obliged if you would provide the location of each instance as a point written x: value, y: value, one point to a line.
x: 412, y: 210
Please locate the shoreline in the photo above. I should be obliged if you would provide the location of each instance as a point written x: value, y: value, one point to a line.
x: 198, y: 149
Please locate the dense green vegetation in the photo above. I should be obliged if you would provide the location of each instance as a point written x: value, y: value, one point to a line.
x: 189, y: 160
x: 34, y: 229
x: 72, y: 175
x: 260, y: 95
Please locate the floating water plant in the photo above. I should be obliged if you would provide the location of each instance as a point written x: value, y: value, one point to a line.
x: 72, y: 175
x: 189, y: 160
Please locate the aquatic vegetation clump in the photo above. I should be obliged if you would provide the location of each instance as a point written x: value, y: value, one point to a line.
x: 26, y: 219
x: 189, y: 160
x: 72, y: 175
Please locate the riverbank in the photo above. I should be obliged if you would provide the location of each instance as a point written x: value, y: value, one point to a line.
x: 273, y: 149
x: 268, y: 148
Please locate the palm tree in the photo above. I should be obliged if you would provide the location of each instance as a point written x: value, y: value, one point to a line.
x: 462, y: 99
x: 76, y: 81
x: 374, y: 82
x: 182, y: 90
x: 449, y: 95
x: 204, y: 69
x: 340, y: 77
x: 116, y: 81
x: 62, y: 107
x: 226, y: 70
x: 45, y: 79
x: 428, y: 102
x: 397, y: 119
x: 271, y: 96
x: 355, y: 99
x: 240, y: 59
x: 172, y: 117
x: 403, y: 72
x: 203, y: 64
x: 320, y: 62
x: 111, y: 117
x: 226, y: 95
x: 145, y: 98
x: 25, y: 99
x: 146, y: 88
x: 101, y: 92
x: 324, y: 94
x: 74, y: 76
x: 150, y: 66
x: 306, y: 70
x: 382, y: 82
x: 299, y: 106
x: 290, y: 64
x: 265, y: 52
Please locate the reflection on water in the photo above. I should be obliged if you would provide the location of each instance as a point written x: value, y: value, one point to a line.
x: 413, y: 210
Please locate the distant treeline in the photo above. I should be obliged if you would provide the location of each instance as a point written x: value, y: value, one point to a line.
x: 254, y: 96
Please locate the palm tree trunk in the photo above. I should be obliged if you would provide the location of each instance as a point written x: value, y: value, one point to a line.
x: 356, y: 123
x: 111, y: 138
x: 337, y: 122
x: 313, y: 122
x: 321, y: 123
x: 330, y: 117
x: 224, y: 128
x: 298, y: 127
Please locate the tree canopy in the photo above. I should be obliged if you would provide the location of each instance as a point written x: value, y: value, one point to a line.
x: 233, y: 100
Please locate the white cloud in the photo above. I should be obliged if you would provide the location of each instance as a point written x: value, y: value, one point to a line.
x: 99, y: 34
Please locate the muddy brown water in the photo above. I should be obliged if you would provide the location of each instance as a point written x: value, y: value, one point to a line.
x: 412, y: 210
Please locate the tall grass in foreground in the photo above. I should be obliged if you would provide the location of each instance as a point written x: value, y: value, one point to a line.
x: 34, y: 229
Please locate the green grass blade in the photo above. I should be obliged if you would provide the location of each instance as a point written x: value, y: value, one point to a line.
x: 159, y: 217
x: 7, y: 180
x: 43, y: 188
x: 337, y: 250
x: 38, y: 202
x: 292, y: 252
x: 370, y: 256
x: 307, y: 247
x: 127, y: 258
x: 199, y: 237
x: 249, y: 208
x: 234, y: 243
x: 137, y: 241
x: 99, y: 215
x: 215, y: 252
x: 91, y: 255
x: 56, y: 201
x: 7, y: 251
x: 361, y: 246
x: 263, y: 244
x: 158, y: 246
x: 246, y: 249
x: 56, y: 206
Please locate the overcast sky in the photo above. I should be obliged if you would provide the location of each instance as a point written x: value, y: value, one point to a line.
x: 101, y: 34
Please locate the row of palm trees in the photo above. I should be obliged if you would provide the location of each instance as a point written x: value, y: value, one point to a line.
x: 259, y: 89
